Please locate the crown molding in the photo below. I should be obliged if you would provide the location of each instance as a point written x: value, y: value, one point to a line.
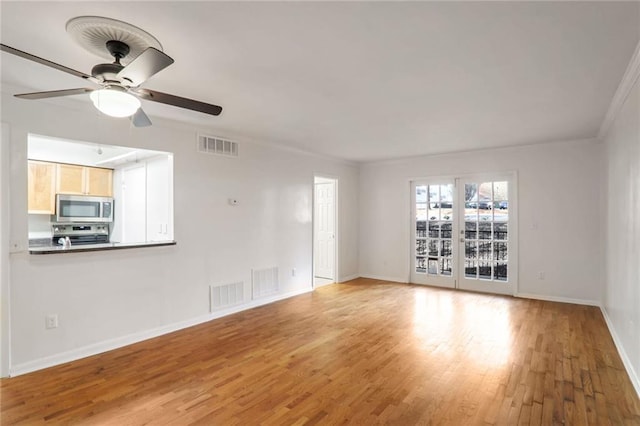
x: 629, y: 79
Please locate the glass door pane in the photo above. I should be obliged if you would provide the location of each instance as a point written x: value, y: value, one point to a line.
x: 485, y: 236
x: 433, y: 233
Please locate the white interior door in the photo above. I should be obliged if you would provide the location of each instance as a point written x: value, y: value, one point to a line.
x: 325, y: 233
x: 433, y: 233
x: 487, y: 235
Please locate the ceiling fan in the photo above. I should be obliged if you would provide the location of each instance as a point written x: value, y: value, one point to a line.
x: 119, y: 93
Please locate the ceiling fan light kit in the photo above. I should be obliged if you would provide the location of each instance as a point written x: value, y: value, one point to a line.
x: 136, y: 55
x: 114, y: 102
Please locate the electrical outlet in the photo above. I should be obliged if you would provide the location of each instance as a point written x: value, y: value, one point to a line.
x: 293, y: 272
x: 51, y: 321
x: 541, y: 275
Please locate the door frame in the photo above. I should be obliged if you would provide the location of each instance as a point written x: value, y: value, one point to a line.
x: 512, y: 177
x: 5, y: 259
x: 336, y: 223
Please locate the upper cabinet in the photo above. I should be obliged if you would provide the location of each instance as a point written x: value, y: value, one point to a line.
x: 46, y: 179
x: 99, y: 181
x: 72, y: 179
x: 42, y: 187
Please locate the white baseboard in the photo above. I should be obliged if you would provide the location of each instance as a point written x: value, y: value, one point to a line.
x: 381, y: 278
x: 349, y: 278
x: 635, y: 380
x: 558, y: 299
x: 108, y: 345
x: 318, y: 285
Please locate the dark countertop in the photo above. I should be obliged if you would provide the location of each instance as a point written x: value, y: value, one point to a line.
x: 36, y: 247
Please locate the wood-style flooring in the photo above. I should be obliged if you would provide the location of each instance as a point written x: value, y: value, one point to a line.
x: 362, y: 353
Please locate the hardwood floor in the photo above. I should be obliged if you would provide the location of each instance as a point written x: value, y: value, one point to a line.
x: 365, y: 352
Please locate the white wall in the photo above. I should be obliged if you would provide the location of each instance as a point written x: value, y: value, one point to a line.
x: 106, y: 298
x: 559, y: 204
x: 622, y: 289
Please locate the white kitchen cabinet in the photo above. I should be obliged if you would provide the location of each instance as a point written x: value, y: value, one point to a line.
x: 133, y: 221
x: 159, y: 199
x: 144, y: 201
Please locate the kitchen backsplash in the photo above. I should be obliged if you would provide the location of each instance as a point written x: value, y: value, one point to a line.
x: 39, y: 226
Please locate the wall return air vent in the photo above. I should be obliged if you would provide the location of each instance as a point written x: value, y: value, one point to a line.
x: 225, y: 295
x: 264, y: 282
x: 217, y: 146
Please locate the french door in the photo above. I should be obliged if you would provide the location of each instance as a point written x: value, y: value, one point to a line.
x: 434, y: 230
x: 464, y: 233
x: 486, y: 238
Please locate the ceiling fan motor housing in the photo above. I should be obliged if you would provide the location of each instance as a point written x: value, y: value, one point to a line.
x: 107, y: 72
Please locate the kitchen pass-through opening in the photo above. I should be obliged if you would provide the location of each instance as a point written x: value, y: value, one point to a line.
x: 86, y: 193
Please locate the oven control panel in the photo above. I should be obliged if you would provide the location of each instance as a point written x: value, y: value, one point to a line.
x: 64, y: 230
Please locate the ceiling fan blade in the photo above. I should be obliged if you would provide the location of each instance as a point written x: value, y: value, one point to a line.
x: 53, y: 93
x: 148, y: 63
x: 42, y: 61
x: 140, y: 119
x: 164, y: 98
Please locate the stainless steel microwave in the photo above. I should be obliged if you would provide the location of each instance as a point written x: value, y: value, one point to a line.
x: 83, y: 208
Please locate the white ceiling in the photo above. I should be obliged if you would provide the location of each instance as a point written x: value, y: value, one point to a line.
x: 360, y: 80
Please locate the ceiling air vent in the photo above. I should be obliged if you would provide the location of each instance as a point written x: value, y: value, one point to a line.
x: 218, y: 146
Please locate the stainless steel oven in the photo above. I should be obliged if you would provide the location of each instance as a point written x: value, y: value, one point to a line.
x: 80, y: 233
x: 83, y: 208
